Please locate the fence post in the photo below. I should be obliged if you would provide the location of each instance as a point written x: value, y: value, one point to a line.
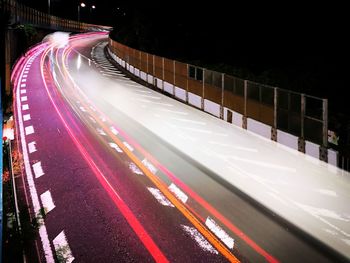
x: 174, y: 78
x: 275, y: 105
x: 147, y: 67
x: 222, y: 95
x: 244, y: 117
x: 140, y: 64
x: 187, y: 74
x: 324, y: 146
x: 163, y: 74
x: 301, y: 139
x: 203, y: 78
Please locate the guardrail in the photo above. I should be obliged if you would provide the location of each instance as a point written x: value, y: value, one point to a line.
x: 297, y: 120
x: 20, y: 13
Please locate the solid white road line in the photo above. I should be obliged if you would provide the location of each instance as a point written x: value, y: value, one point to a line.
x: 201, y: 241
x: 32, y: 147
x: 26, y: 117
x: 62, y: 248
x: 32, y: 189
x: 29, y: 130
x: 178, y: 193
x: 47, y: 202
x: 220, y: 233
x: 38, y: 170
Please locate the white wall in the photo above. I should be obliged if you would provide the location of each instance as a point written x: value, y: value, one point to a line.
x: 168, y: 87
x: 180, y: 93
x: 212, y: 107
x: 332, y: 157
x: 194, y: 100
x: 237, y: 119
x: 312, y: 149
x: 150, y: 79
x: 287, y: 139
x: 143, y: 75
x: 259, y: 128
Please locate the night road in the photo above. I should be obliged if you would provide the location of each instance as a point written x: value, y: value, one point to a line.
x: 118, y: 172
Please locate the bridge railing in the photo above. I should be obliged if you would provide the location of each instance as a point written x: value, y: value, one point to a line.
x: 295, y: 119
x: 20, y: 13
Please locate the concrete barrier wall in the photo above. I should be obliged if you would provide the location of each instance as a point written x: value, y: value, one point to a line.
x: 143, y: 76
x: 332, y: 157
x: 237, y: 119
x: 150, y: 79
x: 194, y: 100
x: 168, y: 87
x: 259, y: 128
x: 212, y: 107
x: 287, y: 139
x: 180, y: 93
x: 312, y: 149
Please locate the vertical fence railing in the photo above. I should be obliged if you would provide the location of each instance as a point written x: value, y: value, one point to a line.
x: 303, y: 116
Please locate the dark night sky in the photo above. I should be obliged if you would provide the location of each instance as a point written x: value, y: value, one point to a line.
x: 304, y: 45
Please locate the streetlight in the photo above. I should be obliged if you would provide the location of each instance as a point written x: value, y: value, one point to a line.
x: 92, y: 8
x: 80, y: 5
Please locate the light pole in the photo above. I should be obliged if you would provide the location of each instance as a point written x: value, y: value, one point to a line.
x: 80, y: 5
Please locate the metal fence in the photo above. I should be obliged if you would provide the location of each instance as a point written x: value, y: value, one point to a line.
x: 20, y: 13
x: 301, y: 115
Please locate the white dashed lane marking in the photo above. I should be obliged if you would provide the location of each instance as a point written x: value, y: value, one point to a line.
x: 23, y: 85
x: 47, y: 202
x: 29, y: 130
x: 23, y: 91
x: 26, y: 117
x: 62, y: 248
x: 25, y: 107
x: 198, y: 237
x: 128, y: 146
x: 101, y: 132
x: 150, y: 166
x: 160, y: 197
x: 178, y: 193
x: 38, y: 170
x: 135, y: 169
x: 115, y: 147
x: 32, y: 147
x: 24, y: 98
x: 219, y: 232
x: 114, y: 131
